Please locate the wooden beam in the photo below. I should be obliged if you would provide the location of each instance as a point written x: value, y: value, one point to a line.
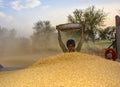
x: 117, y: 18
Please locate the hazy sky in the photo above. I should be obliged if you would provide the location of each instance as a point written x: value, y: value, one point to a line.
x: 23, y: 14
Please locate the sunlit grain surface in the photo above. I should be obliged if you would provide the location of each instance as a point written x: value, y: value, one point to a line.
x: 65, y: 70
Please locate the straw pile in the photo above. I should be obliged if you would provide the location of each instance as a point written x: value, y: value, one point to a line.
x: 65, y: 70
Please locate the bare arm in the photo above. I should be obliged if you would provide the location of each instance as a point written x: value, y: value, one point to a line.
x: 78, y: 48
x: 64, y: 49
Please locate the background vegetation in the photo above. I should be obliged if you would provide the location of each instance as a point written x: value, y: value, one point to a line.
x: 44, y: 38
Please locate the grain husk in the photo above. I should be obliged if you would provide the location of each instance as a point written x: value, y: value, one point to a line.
x: 65, y: 70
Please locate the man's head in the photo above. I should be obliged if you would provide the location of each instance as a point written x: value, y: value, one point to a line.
x: 71, y: 45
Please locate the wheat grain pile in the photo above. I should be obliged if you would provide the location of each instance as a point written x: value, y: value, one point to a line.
x: 65, y: 70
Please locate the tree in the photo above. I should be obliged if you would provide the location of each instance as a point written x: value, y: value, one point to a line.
x: 107, y: 33
x: 7, y: 37
x: 42, y: 32
x: 77, y: 16
x: 91, y: 17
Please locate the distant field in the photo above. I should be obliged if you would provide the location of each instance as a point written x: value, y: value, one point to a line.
x: 97, y: 48
x: 100, y: 44
x: 103, y: 43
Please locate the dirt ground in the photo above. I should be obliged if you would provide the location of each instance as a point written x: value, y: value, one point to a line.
x: 24, y: 59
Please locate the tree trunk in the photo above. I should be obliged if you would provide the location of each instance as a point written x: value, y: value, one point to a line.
x: 118, y: 35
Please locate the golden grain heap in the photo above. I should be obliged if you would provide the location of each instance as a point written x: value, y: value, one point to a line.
x: 65, y: 70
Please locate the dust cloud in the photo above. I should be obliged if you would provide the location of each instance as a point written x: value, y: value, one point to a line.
x: 23, y: 51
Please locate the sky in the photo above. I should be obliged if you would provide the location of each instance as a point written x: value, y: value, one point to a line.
x: 23, y: 14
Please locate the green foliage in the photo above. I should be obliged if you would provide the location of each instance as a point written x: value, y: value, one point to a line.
x: 93, y: 20
x: 77, y: 16
x: 107, y: 33
x: 91, y: 17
